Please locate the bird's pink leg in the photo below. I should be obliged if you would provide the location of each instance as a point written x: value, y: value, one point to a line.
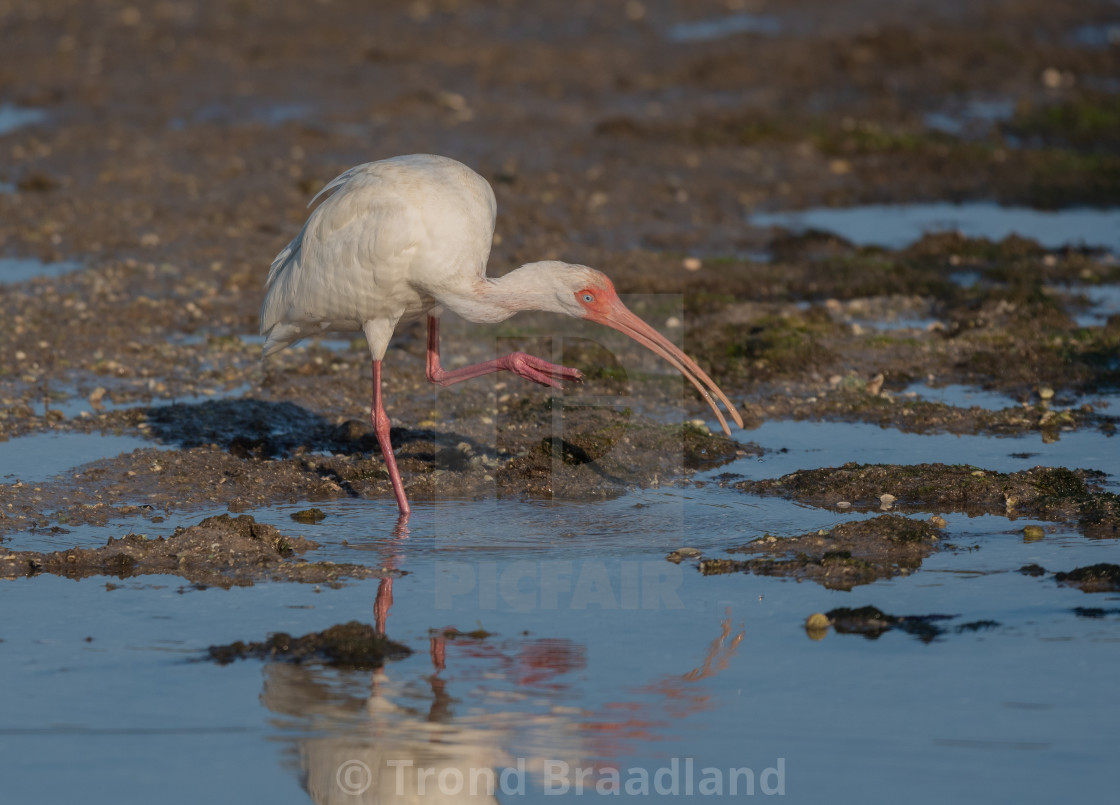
x: 527, y: 366
x: 381, y: 428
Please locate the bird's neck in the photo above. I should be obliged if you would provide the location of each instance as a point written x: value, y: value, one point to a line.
x: 493, y: 300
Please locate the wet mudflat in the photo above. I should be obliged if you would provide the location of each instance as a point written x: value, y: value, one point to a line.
x: 885, y: 230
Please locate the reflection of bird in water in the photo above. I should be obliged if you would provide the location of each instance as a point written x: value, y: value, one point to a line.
x: 371, y: 733
x: 369, y: 744
x: 666, y: 700
x: 540, y: 660
x: 374, y: 748
x: 409, y: 237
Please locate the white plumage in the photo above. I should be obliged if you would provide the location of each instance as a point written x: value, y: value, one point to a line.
x: 408, y: 236
x: 388, y: 240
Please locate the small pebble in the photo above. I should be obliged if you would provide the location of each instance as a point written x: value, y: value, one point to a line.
x: 1051, y: 78
x: 816, y: 626
x: 818, y: 620
x: 1033, y: 533
x: 843, y: 504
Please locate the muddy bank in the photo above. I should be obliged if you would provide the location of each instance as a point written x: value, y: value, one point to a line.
x: 1099, y: 578
x: 353, y: 645
x: 843, y: 337
x: 1048, y: 493
x: 220, y: 551
x: 948, y: 310
x: 848, y: 555
x: 601, y: 453
x: 609, y: 141
x: 863, y: 551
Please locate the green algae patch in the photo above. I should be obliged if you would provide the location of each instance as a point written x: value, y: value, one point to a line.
x: 773, y: 346
x: 1091, y: 121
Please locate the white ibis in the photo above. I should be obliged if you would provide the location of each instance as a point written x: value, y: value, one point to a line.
x: 410, y: 236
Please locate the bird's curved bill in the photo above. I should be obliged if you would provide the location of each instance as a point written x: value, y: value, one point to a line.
x: 618, y: 317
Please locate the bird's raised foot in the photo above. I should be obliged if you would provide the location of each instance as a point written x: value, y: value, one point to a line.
x: 539, y: 370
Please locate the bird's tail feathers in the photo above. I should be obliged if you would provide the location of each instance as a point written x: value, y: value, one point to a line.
x: 280, y: 336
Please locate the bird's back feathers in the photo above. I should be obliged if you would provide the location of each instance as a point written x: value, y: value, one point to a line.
x: 387, y: 240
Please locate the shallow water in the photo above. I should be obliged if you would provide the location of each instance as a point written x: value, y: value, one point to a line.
x: 973, y: 118
x: 275, y: 114
x: 898, y: 225
x: 1105, y: 403
x: 41, y: 456
x: 336, y: 343
x: 1104, y: 301
x: 13, y: 117
x: 601, y: 654
x: 1104, y: 35
x: 708, y: 30
x: 829, y: 444
x: 598, y: 653
x: 962, y: 396
x: 77, y: 405
x: 22, y: 269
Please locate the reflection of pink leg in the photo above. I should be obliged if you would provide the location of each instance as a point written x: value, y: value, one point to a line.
x: 529, y: 367
x: 381, y: 605
x: 438, y: 650
x: 381, y: 428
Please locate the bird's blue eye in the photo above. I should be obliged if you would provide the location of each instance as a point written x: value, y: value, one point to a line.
x: 588, y: 298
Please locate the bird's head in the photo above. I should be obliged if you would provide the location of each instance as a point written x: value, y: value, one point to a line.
x: 574, y: 290
x: 585, y: 293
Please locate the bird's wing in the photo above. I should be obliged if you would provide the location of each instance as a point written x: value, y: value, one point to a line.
x: 349, y: 263
x: 290, y: 253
